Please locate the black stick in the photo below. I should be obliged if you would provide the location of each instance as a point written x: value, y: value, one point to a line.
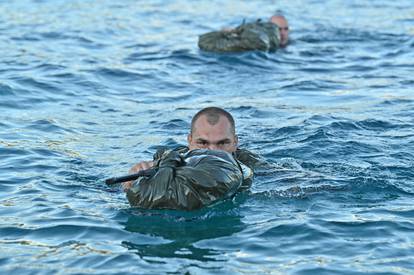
x: 142, y: 173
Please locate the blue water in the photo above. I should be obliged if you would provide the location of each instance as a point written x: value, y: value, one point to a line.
x: 88, y: 88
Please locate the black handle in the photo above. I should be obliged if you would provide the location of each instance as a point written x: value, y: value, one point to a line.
x: 143, y: 173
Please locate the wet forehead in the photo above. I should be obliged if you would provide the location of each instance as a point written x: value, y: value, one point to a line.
x: 217, y: 131
x: 280, y: 21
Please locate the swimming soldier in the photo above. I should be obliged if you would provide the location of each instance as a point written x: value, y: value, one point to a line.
x: 211, y: 167
x: 211, y: 128
x: 259, y: 35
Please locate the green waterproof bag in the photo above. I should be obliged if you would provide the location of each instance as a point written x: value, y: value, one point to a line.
x: 188, y: 181
x: 263, y: 36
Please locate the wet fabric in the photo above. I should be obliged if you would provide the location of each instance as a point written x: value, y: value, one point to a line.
x: 259, y: 35
x: 244, y: 156
x: 248, y: 161
x: 187, y: 181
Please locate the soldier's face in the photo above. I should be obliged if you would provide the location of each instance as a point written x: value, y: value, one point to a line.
x: 283, y: 29
x: 214, y: 137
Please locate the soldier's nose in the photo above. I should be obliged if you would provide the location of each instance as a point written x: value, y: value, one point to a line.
x: 213, y: 147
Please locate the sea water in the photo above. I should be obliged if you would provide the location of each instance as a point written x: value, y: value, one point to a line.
x: 88, y: 88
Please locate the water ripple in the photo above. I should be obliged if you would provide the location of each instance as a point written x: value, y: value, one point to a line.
x: 92, y: 88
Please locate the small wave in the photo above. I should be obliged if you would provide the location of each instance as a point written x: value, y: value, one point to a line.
x: 48, y: 125
x: 376, y: 125
x: 6, y: 90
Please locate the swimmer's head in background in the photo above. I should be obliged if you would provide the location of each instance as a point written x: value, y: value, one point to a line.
x: 282, y: 23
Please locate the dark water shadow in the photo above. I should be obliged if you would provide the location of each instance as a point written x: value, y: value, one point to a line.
x: 182, y: 230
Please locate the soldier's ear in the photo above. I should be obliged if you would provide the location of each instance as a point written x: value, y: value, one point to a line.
x: 236, y: 140
x: 189, y: 138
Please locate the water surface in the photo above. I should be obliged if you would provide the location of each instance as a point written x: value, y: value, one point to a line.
x: 88, y: 88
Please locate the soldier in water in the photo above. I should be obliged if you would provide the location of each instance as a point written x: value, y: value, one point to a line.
x: 210, y: 168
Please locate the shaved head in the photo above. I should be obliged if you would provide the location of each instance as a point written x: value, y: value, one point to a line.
x: 282, y: 23
x: 213, y: 115
x: 213, y: 128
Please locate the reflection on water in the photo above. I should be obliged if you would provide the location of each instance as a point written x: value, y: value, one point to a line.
x: 180, y: 231
x: 87, y: 88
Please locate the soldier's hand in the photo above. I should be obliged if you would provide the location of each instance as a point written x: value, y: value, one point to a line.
x: 143, y: 165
